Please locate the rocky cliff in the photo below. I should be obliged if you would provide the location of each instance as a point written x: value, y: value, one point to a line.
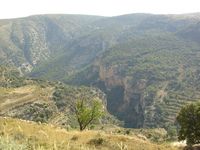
x: 148, y: 65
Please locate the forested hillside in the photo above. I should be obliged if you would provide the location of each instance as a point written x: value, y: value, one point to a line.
x: 147, y: 65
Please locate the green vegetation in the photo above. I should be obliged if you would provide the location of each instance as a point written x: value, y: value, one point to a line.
x: 147, y: 65
x: 50, y: 102
x: 140, y: 68
x: 86, y: 114
x: 10, y: 77
x: 189, y: 121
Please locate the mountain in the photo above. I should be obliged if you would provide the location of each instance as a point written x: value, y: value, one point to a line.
x: 147, y: 65
x: 26, y: 42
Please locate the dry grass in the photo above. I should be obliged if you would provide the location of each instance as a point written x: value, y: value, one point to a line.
x: 43, y: 136
x: 13, y: 97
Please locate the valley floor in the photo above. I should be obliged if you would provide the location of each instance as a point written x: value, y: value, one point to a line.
x: 18, y: 134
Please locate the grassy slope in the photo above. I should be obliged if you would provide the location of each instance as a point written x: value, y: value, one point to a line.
x: 13, y: 97
x: 43, y: 136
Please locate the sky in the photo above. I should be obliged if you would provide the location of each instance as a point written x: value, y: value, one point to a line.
x: 23, y: 8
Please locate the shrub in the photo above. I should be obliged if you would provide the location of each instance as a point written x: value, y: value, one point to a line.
x: 97, y: 142
x: 189, y: 121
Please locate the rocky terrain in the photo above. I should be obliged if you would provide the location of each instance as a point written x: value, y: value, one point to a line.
x: 44, y: 101
x: 147, y: 65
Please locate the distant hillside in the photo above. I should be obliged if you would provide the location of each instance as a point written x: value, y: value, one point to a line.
x: 44, y: 101
x: 26, y: 42
x: 147, y: 65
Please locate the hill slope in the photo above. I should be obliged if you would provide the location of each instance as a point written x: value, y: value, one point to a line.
x: 25, y: 42
x: 148, y: 65
x: 44, y: 101
x: 30, y: 135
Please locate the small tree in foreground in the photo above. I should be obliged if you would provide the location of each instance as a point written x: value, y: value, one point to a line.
x: 86, y: 113
x: 189, y: 121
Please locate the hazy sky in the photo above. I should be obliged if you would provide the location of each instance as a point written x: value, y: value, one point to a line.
x: 21, y: 8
